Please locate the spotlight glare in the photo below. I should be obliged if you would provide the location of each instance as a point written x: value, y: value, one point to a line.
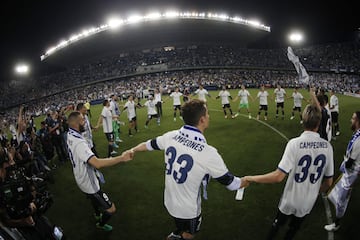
x: 114, y: 23
x: 153, y: 16
x: 134, y: 19
x: 296, y: 37
x: 21, y: 69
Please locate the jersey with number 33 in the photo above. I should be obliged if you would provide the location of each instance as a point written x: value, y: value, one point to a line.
x: 187, y: 160
x: 307, y: 160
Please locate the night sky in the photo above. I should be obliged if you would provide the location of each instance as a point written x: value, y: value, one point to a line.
x: 30, y: 27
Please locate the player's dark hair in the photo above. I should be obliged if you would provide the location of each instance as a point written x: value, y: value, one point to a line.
x: 311, y: 117
x: 192, y: 111
x: 105, y: 102
x: 73, y: 117
x: 79, y: 106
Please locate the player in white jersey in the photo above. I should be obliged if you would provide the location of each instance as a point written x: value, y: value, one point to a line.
x: 263, y: 102
x: 202, y: 93
x: 225, y: 95
x: 105, y: 120
x: 130, y: 106
x: 188, y: 160
x: 176, y: 102
x: 280, y: 95
x: 334, y: 109
x: 244, y: 100
x: 85, y: 168
x: 87, y: 134
x: 308, y: 162
x: 298, y: 98
x: 350, y: 168
x: 151, y: 111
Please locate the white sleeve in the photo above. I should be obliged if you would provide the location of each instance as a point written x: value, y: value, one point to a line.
x: 84, y: 152
x: 159, y: 143
x: 329, y: 171
x: 287, y: 160
x: 216, y: 166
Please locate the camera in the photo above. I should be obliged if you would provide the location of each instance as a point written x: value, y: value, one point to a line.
x: 17, y: 192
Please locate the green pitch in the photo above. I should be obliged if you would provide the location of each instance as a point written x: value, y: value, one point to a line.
x: 247, y: 147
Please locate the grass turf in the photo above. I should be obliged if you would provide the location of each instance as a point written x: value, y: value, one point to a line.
x: 247, y: 147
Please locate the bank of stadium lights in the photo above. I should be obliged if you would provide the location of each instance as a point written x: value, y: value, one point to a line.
x: 296, y: 37
x: 117, y: 22
x: 22, y: 69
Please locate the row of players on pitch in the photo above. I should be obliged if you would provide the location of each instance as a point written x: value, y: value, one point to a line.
x: 154, y: 106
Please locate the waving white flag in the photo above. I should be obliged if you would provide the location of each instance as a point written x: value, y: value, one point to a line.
x: 303, y: 75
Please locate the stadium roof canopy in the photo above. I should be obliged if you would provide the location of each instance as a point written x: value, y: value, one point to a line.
x: 172, y: 32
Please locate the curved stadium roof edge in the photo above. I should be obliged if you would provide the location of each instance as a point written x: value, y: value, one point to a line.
x: 116, y: 23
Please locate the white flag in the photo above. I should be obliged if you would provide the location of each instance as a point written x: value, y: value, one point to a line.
x: 303, y: 75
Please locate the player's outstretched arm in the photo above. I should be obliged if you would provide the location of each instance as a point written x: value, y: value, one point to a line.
x: 244, y: 183
x: 314, y: 99
x: 140, y: 148
x: 107, y: 162
x: 272, y: 177
x: 99, y: 122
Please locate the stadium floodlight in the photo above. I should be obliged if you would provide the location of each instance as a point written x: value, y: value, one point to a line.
x: 22, y: 69
x: 63, y: 43
x: 113, y: 23
x: 116, y: 22
x: 153, y: 16
x: 134, y: 19
x: 171, y: 14
x: 254, y: 23
x: 296, y: 37
x: 73, y: 38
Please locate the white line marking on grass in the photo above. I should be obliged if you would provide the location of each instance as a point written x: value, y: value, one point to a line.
x: 328, y: 215
x: 264, y: 123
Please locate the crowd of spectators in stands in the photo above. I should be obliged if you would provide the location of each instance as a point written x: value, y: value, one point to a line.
x: 337, y: 62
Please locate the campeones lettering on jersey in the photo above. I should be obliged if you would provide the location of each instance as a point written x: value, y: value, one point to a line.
x: 313, y: 145
x: 188, y: 143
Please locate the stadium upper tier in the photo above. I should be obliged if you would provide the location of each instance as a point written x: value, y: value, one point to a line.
x: 335, y: 58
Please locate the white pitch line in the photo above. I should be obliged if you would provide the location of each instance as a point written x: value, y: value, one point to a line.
x: 262, y: 122
x: 328, y: 215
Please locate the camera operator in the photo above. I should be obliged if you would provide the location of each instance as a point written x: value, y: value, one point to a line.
x: 25, y: 221
x: 20, y: 204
